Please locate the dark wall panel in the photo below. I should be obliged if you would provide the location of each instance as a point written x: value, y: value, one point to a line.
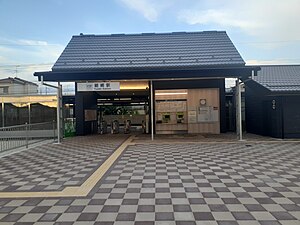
x: 85, y: 100
x: 254, y: 112
x: 272, y: 121
x: 263, y: 114
x: 291, y: 116
x: 276, y: 116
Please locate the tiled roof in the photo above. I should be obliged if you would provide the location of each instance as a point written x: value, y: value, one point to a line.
x: 279, y: 78
x: 148, y: 51
x: 16, y: 80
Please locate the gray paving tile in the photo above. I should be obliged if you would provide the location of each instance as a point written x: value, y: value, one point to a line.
x: 206, y: 216
x: 30, y: 217
x: 243, y: 216
x: 107, y: 217
x: 184, y: 216
x: 68, y: 217
x: 146, y: 208
x: 283, y: 216
x: 74, y: 209
x: 110, y: 208
x: 49, y: 217
x: 164, y: 216
x: 145, y: 216
x: 126, y: 217
x: 87, y: 217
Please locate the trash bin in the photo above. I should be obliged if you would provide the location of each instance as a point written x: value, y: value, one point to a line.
x: 115, y: 127
x: 127, y: 126
x: 103, y: 127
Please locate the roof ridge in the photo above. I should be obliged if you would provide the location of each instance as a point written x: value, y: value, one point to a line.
x: 148, y: 33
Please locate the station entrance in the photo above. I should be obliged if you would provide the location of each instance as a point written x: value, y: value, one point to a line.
x: 123, y: 112
x: 115, y: 107
x: 179, y: 106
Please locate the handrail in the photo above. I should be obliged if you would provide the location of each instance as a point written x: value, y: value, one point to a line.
x: 13, y: 137
x: 24, y: 125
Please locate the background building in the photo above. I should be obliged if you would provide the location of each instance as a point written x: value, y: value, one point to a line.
x: 273, y: 101
x: 12, y: 86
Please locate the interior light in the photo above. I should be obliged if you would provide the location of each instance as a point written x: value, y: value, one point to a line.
x: 172, y: 93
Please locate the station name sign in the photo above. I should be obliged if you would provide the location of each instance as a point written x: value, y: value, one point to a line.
x: 99, y: 86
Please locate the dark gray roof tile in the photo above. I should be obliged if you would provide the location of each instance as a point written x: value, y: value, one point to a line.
x: 279, y: 78
x: 138, y: 51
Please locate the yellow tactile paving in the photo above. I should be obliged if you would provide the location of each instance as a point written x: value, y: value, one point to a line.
x: 81, y: 190
x: 212, y: 142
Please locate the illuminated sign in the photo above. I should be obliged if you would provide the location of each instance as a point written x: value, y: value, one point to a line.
x: 99, y: 86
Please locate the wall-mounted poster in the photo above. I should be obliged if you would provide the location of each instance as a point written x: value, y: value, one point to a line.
x: 192, y: 116
x: 90, y: 115
x: 170, y: 106
x: 208, y: 114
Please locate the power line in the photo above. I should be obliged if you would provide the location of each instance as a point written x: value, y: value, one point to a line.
x: 7, y: 44
x: 27, y: 65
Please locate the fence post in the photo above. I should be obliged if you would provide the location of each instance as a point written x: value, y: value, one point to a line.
x: 53, y: 126
x: 1, y: 141
x: 27, y: 130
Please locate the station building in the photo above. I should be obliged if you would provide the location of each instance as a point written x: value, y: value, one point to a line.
x: 172, y: 82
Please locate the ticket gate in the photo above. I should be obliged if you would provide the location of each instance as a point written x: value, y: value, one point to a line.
x: 127, y: 126
x: 115, y: 127
x: 103, y: 127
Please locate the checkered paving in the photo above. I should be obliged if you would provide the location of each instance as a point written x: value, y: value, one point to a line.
x: 52, y: 167
x: 211, y: 138
x: 181, y: 184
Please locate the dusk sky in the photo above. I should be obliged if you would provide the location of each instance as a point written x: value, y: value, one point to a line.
x: 33, y: 33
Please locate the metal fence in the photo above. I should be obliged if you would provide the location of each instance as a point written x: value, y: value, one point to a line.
x: 19, y: 109
x: 23, y: 135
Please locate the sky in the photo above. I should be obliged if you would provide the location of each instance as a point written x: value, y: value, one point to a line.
x: 33, y: 33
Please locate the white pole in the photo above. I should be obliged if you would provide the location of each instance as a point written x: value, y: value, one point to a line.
x: 29, y: 113
x: 239, y: 128
x: 58, y: 113
x: 2, y: 105
x: 152, y: 111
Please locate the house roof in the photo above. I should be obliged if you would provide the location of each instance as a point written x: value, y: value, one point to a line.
x: 146, y: 51
x: 279, y: 78
x: 16, y: 80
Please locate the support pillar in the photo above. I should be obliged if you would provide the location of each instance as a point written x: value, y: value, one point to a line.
x: 238, y: 100
x: 152, y: 110
x: 29, y: 113
x: 59, y: 112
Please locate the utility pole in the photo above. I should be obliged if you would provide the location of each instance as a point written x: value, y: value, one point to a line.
x: 16, y: 71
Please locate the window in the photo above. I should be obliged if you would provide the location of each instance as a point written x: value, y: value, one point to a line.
x: 3, y: 90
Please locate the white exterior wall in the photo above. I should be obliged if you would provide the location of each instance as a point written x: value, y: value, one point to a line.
x: 14, y: 88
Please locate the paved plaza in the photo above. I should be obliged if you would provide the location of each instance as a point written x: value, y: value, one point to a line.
x: 162, y: 182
